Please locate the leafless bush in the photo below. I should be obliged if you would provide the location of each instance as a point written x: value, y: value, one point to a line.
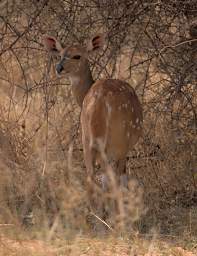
x: 152, y: 45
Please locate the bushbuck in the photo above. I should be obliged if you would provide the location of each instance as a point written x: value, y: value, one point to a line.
x: 111, y: 114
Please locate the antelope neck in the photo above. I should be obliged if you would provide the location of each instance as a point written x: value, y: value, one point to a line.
x: 81, y: 83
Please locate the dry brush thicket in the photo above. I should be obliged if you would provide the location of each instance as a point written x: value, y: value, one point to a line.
x: 150, y: 44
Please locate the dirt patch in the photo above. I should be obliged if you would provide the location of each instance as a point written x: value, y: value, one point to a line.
x: 11, y: 247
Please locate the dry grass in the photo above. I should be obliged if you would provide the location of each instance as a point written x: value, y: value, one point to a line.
x: 45, y: 213
x: 81, y: 246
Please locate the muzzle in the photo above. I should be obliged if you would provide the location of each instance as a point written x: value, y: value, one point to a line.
x: 59, y: 68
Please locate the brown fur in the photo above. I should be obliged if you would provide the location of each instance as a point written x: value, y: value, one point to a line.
x: 109, y: 114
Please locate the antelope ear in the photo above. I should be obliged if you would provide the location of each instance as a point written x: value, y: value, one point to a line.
x: 51, y: 44
x: 97, y: 42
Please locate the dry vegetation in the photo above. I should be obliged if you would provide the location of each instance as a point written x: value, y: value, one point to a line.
x: 153, y: 46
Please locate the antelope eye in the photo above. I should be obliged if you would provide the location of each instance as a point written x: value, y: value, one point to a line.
x: 56, y: 57
x: 76, y: 57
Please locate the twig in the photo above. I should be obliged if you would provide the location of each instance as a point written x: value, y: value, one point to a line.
x: 104, y: 222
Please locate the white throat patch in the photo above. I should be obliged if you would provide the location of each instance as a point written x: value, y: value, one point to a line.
x: 74, y: 80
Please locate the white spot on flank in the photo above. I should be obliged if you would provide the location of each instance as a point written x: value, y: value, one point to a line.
x: 124, y: 123
x: 124, y: 105
x: 137, y: 120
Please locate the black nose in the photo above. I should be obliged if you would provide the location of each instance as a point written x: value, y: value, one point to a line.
x: 59, y: 68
